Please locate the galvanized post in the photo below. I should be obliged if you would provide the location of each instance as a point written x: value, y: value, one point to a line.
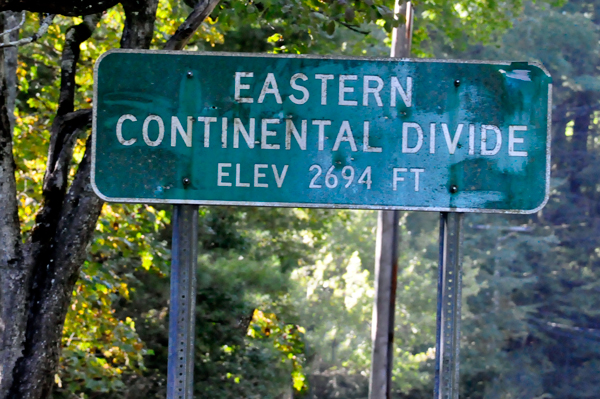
x: 448, y: 307
x: 386, y: 256
x: 382, y: 330
x: 180, y: 376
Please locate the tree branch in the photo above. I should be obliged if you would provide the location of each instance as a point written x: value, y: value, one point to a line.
x: 353, y: 28
x: 64, y: 133
x: 139, y: 23
x: 66, y: 127
x: 73, y: 8
x: 75, y: 35
x: 44, y: 25
x: 16, y: 27
x: 185, y: 31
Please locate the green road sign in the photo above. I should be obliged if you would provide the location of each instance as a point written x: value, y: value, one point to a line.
x: 221, y: 128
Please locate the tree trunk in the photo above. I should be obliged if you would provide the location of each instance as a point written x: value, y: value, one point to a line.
x: 560, y: 145
x: 53, y: 255
x: 579, y: 154
x: 13, y: 278
x: 37, y: 277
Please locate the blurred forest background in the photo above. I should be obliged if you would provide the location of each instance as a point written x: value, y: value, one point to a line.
x: 285, y: 295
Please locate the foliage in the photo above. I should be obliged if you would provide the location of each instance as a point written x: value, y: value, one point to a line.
x: 335, y: 297
x: 301, y: 280
x: 536, y: 307
x: 98, y: 346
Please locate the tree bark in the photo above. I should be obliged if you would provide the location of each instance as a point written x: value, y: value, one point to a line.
x: 560, y: 152
x: 139, y: 23
x: 183, y: 34
x: 13, y: 279
x: 579, y: 154
x: 13, y: 21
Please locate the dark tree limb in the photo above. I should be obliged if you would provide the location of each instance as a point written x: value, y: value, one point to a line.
x: 581, y: 127
x: 65, y: 131
x: 64, y: 7
x: 13, y: 293
x: 353, y: 28
x: 73, y: 38
x: 140, y: 16
x: 185, y: 31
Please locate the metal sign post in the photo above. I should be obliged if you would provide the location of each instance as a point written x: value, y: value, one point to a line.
x: 386, y: 256
x: 382, y: 326
x: 448, y: 307
x: 180, y: 376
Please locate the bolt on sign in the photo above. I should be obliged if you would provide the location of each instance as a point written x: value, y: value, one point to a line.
x: 265, y: 130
